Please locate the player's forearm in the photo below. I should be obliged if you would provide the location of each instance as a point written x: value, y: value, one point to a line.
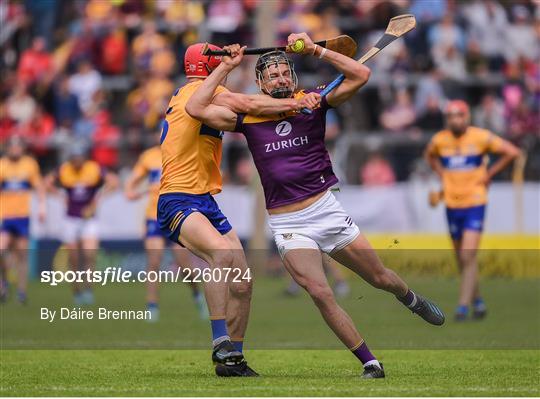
x: 434, y: 164
x: 500, y: 165
x: 509, y: 153
x: 259, y: 104
x: 350, y: 68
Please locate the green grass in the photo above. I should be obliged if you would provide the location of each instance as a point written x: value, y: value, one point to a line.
x: 287, y: 342
x: 280, y: 322
x: 284, y: 373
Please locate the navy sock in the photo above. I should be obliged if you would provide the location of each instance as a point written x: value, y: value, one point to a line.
x: 219, y: 328
x: 409, y: 299
x: 363, y: 354
x: 152, y: 305
x: 238, y: 345
x: 462, y: 309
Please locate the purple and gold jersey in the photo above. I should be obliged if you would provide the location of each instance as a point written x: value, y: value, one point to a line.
x: 290, y: 154
x: 81, y: 185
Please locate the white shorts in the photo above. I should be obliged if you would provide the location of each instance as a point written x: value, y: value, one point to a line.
x: 324, y: 225
x: 76, y: 229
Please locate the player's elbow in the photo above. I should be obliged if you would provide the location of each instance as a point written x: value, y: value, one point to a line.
x: 515, y: 152
x: 361, y: 73
x: 193, y: 110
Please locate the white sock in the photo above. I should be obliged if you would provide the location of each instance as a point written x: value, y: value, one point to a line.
x: 373, y: 362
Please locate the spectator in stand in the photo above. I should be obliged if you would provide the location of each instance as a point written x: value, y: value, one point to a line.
x: 429, y: 85
x: 522, y: 38
x: 20, y: 105
x: 488, y: 26
x: 43, y: 14
x: 114, y: 52
x: 522, y: 122
x: 490, y: 114
x: 451, y: 63
x: 99, y: 12
x: 181, y: 15
x: 138, y: 105
x: 36, y: 64
x: 38, y: 132
x: 84, y: 84
x: 399, y: 115
x: 476, y: 63
x: 427, y: 12
x: 377, y: 171
x: 66, y: 104
x: 106, y: 141
x: 446, y: 34
x: 83, y: 43
x: 162, y: 62
x: 85, y: 127
x: 7, y: 124
x: 159, y: 90
x: 148, y: 42
x: 432, y: 119
x: 225, y: 17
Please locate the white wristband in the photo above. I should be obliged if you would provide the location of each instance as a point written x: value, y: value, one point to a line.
x: 323, y: 52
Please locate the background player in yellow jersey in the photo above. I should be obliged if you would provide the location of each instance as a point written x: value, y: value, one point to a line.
x: 148, y: 167
x: 82, y: 180
x: 19, y: 175
x: 188, y: 213
x: 458, y: 155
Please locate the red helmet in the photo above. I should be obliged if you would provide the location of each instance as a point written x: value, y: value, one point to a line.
x: 457, y: 106
x: 197, y: 65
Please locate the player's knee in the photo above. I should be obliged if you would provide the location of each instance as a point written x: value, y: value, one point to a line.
x: 242, y: 289
x: 466, y: 257
x: 223, y: 257
x: 321, y: 293
x: 381, y: 280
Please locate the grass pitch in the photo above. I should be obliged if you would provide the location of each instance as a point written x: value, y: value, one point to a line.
x: 284, y: 373
x: 287, y: 343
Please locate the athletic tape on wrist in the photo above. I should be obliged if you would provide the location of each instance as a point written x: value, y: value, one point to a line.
x: 323, y: 52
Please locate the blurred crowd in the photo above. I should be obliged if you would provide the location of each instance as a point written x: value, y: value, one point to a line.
x: 101, y: 72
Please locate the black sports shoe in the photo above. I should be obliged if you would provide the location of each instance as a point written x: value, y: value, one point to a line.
x: 428, y: 311
x: 239, y: 370
x: 225, y: 353
x: 459, y: 317
x: 372, y: 371
x: 479, y: 314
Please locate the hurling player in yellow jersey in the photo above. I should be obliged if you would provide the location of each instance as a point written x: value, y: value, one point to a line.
x: 188, y: 213
x: 19, y: 175
x: 148, y: 167
x: 458, y: 155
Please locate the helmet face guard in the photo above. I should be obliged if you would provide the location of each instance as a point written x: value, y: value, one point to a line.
x: 275, y: 58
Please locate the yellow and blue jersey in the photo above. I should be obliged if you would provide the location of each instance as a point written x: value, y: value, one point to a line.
x: 149, y: 166
x: 464, y: 160
x: 191, y: 151
x: 17, y: 180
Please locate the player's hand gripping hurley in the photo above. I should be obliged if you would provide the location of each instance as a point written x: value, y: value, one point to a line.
x: 342, y: 44
x: 396, y: 28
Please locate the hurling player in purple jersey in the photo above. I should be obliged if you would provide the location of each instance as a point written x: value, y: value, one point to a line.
x: 296, y: 174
